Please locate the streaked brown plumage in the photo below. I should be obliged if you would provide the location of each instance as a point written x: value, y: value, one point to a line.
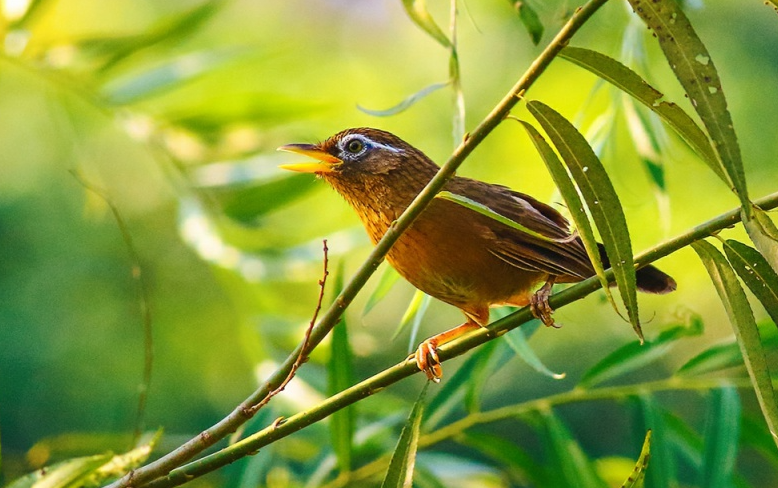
x: 451, y: 252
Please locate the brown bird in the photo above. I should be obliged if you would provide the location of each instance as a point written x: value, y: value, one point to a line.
x: 450, y: 252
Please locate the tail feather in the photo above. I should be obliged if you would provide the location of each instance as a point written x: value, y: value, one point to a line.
x: 650, y: 279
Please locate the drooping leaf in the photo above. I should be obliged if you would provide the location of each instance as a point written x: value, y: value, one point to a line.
x: 417, y: 11
x: 388, y: 278
x: 756, y: 273
x: 407, y: 103
x: 530, y: 19
x: 574, y: 205
x: 601, y: 200
x: 637, y: 478
x: 742, y: 320
x: 631, y: 83
x: 568, y: 459
x: 692, y: 64
x: 633, y: 355
x: 763, y: 234
x: 340, y: 377
x: 722, y: 433
x: 400, y: 472
x: 517, y: 339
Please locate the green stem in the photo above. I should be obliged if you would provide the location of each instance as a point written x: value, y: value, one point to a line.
x: 160, y: 469
x: 254, y: 442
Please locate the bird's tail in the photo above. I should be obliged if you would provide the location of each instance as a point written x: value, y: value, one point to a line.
x: 650, y: 278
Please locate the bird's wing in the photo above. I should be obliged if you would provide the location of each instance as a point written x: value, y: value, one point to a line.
x: 564, y: 255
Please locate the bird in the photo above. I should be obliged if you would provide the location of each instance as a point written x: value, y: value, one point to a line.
x: 451, y: 252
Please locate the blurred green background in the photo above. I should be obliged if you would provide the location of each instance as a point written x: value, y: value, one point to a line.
x: 173, y: 110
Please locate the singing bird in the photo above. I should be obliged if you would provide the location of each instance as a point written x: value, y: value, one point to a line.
x: 451, y: 252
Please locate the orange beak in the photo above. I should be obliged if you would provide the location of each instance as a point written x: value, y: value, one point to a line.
x: 327, y: 163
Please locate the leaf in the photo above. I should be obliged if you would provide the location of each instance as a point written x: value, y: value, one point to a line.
x: 631, y: 83
x: 601, y: 200
x: 248, y: 202
x: 763, y: 234
x: 413, y: 315
x: 742, y: 320
x: 691, y: 62
x: 722, y: 432
x: 633, y: 355
x: 517, y: 340
x: 340, y: 377
x: 400, y: 472
x: 517, y: 463
x: 70, y: 473
x: 756, y: 273
x: 488, y: 212
x: 388, y: 278
x: 574, y: 205
x: 568, y: 459
x: 483, y: 371
x: 417, y: 11
x: 663, y: 457
x: 530, y: 19
x: 637, y: 478
x: 405, y: 104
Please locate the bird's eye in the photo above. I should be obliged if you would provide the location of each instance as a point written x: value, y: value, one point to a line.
x: 355, y: 146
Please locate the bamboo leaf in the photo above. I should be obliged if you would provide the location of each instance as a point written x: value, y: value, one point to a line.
x: 417, y: 11
x: 756, y: 273
x: 569, y: 460
x: 763, y: 234
x: 722, y: 431
x: 517, y: 339
x: 388, y: 278
x: 601, y: 199
x: 407, y: 103
x: 574, y: 205
x: 633, y: 355
x: 340, y: 377
x: 742, y: 320
x: 633, y: 84
x: 400, y: 472
x: 529, y: 17
x: 692, y: 64
x: 637, y: 478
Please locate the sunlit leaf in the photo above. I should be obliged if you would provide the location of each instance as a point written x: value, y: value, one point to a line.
x: 763, y: 234
x: 692, y: 64
x: 413, y: 315
x: 72, y: 472
x: 407, y: 103
x: 516, y: 462
x: 530, y: 19
x: 574, y: 204
x: 631, y: 83
x: 388, y: 278
x: 400, y: 472
x: 417, y: 11
x: 742, y: 320
x: 340, y: 371
x: 517, y: 340
x: 722, y: 432
x: 637, y: 478
x: 756, y: 273
x: 633, y: 355
x: 569, y: 461
x: 601, y: 200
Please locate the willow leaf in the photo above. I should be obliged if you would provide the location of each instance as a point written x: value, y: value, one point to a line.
x: 530, y: 19
x: 633, y: 84
x: 692, y: 64
x: 517, y: 340
x: 601, y: 199
x: 756, y: 273
x: 742, y: 320
x: 407, y: 103
x: 400, y: 472
x: 638, y: 476
x: 763, y: 234
x: 417, y: 11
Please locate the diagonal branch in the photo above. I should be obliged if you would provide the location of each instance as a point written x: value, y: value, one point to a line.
x: 237, y: 417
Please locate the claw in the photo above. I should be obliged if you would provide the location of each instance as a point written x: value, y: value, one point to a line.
x: 427, y: 360
x: 539, y: 304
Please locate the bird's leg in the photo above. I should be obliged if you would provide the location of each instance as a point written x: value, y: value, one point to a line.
x: 539, y: 306
x: 426, y: 356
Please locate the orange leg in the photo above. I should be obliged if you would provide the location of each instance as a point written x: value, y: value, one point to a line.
x: 426, y: 356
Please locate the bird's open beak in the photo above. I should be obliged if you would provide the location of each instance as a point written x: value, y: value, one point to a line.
x: 326, y: 161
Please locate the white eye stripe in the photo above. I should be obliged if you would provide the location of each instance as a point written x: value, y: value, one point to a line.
x: 367, y: 142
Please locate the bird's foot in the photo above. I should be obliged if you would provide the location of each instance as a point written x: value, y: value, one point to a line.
x: 427, y: 360
x: 539, y: 306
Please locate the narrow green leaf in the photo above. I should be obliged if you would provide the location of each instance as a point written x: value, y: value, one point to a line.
x: 756, y: 273
x: 601, y: 200
x: 340, y: 377
x: 407, y: 103
x: 517, y: 340
x: 633, y: 84
x: 388, y: 278
x: 753, y: 435
x: 692, y: 64
x: 248, y: 202
x: 517, y: 463
x: 742, y: 320
x: 722, y: 432
x: 484, y: 371
x: 637, y: 478
x: 530, y: 19
x: 488, y: 212
x: 646, y: 143
x: 64, y: 474
x: 417, y: 11
x: 763, y: 234
x: 663, y: 470
x: 574, y: 205
x: 569, y: 460
x: 413, y: 315
x: 633, y: 355
x: 400, y: 472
